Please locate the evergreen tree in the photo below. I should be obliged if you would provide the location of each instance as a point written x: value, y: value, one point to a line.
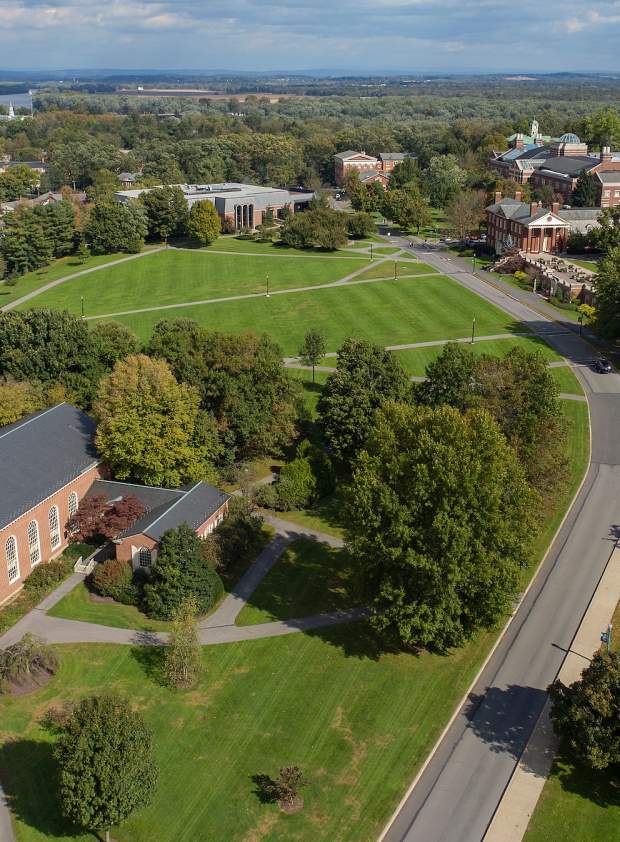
x: 116, y: 226
x: 24, y: 245
x: 586, y: 192
x: 166, y: 211
x: 58, y: 224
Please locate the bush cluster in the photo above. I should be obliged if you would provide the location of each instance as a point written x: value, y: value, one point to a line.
x: 115, y: 578
x: 27, y: 656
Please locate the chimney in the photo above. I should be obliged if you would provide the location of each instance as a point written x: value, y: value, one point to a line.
x: 606, y: 154
x: 498, y: 196
x: 555, y: 207
x: 518, y: 195
x: 533, y: 208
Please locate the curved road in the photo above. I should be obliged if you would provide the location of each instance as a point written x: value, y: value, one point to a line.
x: 461, y: 787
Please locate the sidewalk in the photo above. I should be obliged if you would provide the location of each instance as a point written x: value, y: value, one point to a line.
x: 525, y: 787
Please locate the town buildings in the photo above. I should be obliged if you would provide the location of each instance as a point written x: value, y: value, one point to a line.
x: 532, y: 228
x: 369, y: 168
x: 7, y: 164
x: 557, y: 164
x: 49, y: 464
x: 238, y: 205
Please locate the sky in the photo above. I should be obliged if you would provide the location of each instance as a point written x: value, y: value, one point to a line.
x: 293, y: 35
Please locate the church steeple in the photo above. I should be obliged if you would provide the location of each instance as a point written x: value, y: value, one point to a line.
x: 11, y: 111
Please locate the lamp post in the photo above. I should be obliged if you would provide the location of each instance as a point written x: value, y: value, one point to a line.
x: 473, y: 330
x: 82, y: 304
x: 267, y: 293
x: 371, y: 252
x: 395, y: 270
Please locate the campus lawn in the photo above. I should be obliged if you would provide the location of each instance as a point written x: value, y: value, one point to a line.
x: 358, y: 721
x: 404, y: 268
x: 385, y: 312
x: 237, y: 244
x: 171, y: 277
x: 78, y: 605
x: 312, y: 391
x: 308, y: 578
x: 323, y: 516
x: 415, y: 360
x: 566, y: 380
x: 63, y: 267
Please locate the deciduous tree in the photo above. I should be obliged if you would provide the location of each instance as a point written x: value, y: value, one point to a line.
x: 204, y: 224
x: 116, y: 226
x: 182, y: 656
x: 313, y: 349
x: 607, y: 286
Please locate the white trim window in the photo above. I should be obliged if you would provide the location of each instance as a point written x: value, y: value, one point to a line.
x: 72, y: 504
x: 54, y: 525
x: 145, y: 557
x: 12, y: 559
x: 34, y: 547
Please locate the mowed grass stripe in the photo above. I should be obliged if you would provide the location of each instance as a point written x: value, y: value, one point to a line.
x: 385, y: 312
x: 174, y: 277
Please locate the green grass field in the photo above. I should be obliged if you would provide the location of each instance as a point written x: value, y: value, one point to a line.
x: 308, y: 578
x: 404, y: 268
x: 61, y: 268
x: 236, y: 244
x: 78, y: 605
x: 172, y: 277
x: 415, y: 360
x: 358, y: 721
x: 386, y: 312
x: 567, y: 381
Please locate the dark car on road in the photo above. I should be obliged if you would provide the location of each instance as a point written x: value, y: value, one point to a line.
x: 602, y: 366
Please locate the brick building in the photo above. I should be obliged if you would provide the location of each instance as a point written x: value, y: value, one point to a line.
x: 240, y: 205
x: 530, y: 227
x: 368, y: 167
x: 48, y: 465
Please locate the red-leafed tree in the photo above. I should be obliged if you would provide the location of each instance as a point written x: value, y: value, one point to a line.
x: 87, y: 521
x: 96, y: 518
x: 121, y: 515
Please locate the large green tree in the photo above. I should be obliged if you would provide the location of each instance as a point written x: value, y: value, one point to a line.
x: 204, y: 224
x: 320, y: 227
x: 181, y: 572
x: 116, y: 226
x: 407, y: 207
x: 607, y: 286
x: 150, y: 427
x: 439, y: 517
x: 24, y: 245
x: 444, y: 178
x: 166, y: 211
x: 366, y: 376
x: 586, y: 192
x: 606, y: 235
x: 107, y: 766
x: 587, y: 713
x: 59, y: 226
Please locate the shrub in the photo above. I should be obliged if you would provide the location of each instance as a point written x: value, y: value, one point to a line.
x: 20, y: 660
x: 46, y: 576
x: 241, y: 534
x: 267, y: 497
x: 297, y: 485
x: 114, y: 578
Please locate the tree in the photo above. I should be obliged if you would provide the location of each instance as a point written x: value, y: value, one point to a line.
x: 107, y: 764
x: 58, y: 225
x: 586, y: 713
x: 360, y: 225
x: 405, y: 172
x: 113, y: 342
x: 116, y: 226
x: 407, y: 207
x: 82, y: 252
x: 120, y: 515
x: 166, y: 211
x: 86, y: 523
x: 607, y: 287
x: 366, y: 376
x: 444, y: 178
x: 114, y: 578
x: 267, y: 229
x: 204, y: 223
x: 150, y: 426
x: 24, y: 245
x: 180, y: 572
x: 606, y: 235
x: 440, y: 519
x: 285, y: 788
x: 312, y: 349
x: 18, y: 181
x: 320, y: 227
x: 586, y: 192
x: 182, y: 655
x: 602, y: 128
x: 17, y: 400
x: 20, y: 660
x: 465, y: 212
x: 450, y: 379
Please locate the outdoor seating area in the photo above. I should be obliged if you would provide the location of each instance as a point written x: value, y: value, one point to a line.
x: 560, y: 277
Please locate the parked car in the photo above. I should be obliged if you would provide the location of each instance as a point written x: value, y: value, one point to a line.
x: 603, y: 366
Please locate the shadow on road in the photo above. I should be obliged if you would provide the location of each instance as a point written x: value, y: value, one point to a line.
x: 504, y: 718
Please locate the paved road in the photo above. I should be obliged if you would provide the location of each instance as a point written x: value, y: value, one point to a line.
x: 456, y: 796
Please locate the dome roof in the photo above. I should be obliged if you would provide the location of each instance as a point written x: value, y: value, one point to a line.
x: 569, y: 137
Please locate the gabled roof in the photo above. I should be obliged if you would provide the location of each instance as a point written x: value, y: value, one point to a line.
x: 351, y: 153
x: 193, y: 506
x: 520, y: 211
x: 393, y: 156
x: 369, y: 174
x: 40, y: 454
x: 609, y: 176
x: 575, y: 214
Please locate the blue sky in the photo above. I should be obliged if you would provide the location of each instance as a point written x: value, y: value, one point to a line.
x: 492, y: 35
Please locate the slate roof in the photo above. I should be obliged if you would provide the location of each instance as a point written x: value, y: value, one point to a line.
x: 610, y: 176
x: 575, y: 214
x: 193, y: 506
x: 519, y: 211
x: 568, y: 166
x: 40, y: 454
x: 368, y: 174
x: 149, y: 495
x: 350, y: 153
x: 393, y: 156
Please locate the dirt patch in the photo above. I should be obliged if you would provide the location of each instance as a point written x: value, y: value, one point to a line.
x: 195, y: 698
x: 262, y: 828
x: 293, y: 806
x: 27, y: 684
x: 359, y: 750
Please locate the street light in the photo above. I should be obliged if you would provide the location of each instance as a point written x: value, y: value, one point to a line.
x: 371, y: 252
x: 267, y: 293
x: 82, y: 304
x: 473, y: 330
x: 395, y: 270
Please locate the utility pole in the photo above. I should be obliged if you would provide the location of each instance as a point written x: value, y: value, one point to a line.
x: 473, y: 330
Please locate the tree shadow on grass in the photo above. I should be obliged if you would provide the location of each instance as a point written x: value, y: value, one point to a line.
x: 601, y: 787
x: 263, y: 788
x: 29, y: 775
x: 359, y: 640
x: 151, y: 660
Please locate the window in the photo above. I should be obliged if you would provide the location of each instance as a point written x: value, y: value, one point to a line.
x: 144, y: 557
x: 33, y: 543
x: 72, y: 504
x: 54, y: 524
x: 12, y: 561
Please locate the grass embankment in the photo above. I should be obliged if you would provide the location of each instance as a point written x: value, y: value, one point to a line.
x: 385, y: 312
x: 309, y: 578
x: 174, y: 277
x: 33, y: 593
x: 578, y: 803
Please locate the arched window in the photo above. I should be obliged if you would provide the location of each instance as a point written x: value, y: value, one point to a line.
x: 33, y: 543
x: 72, y: 504
x: 144, y: 557
x: 54, y: 524
x: 12, y: 560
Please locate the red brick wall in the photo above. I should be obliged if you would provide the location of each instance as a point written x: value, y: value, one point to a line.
x: 40, y: 513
